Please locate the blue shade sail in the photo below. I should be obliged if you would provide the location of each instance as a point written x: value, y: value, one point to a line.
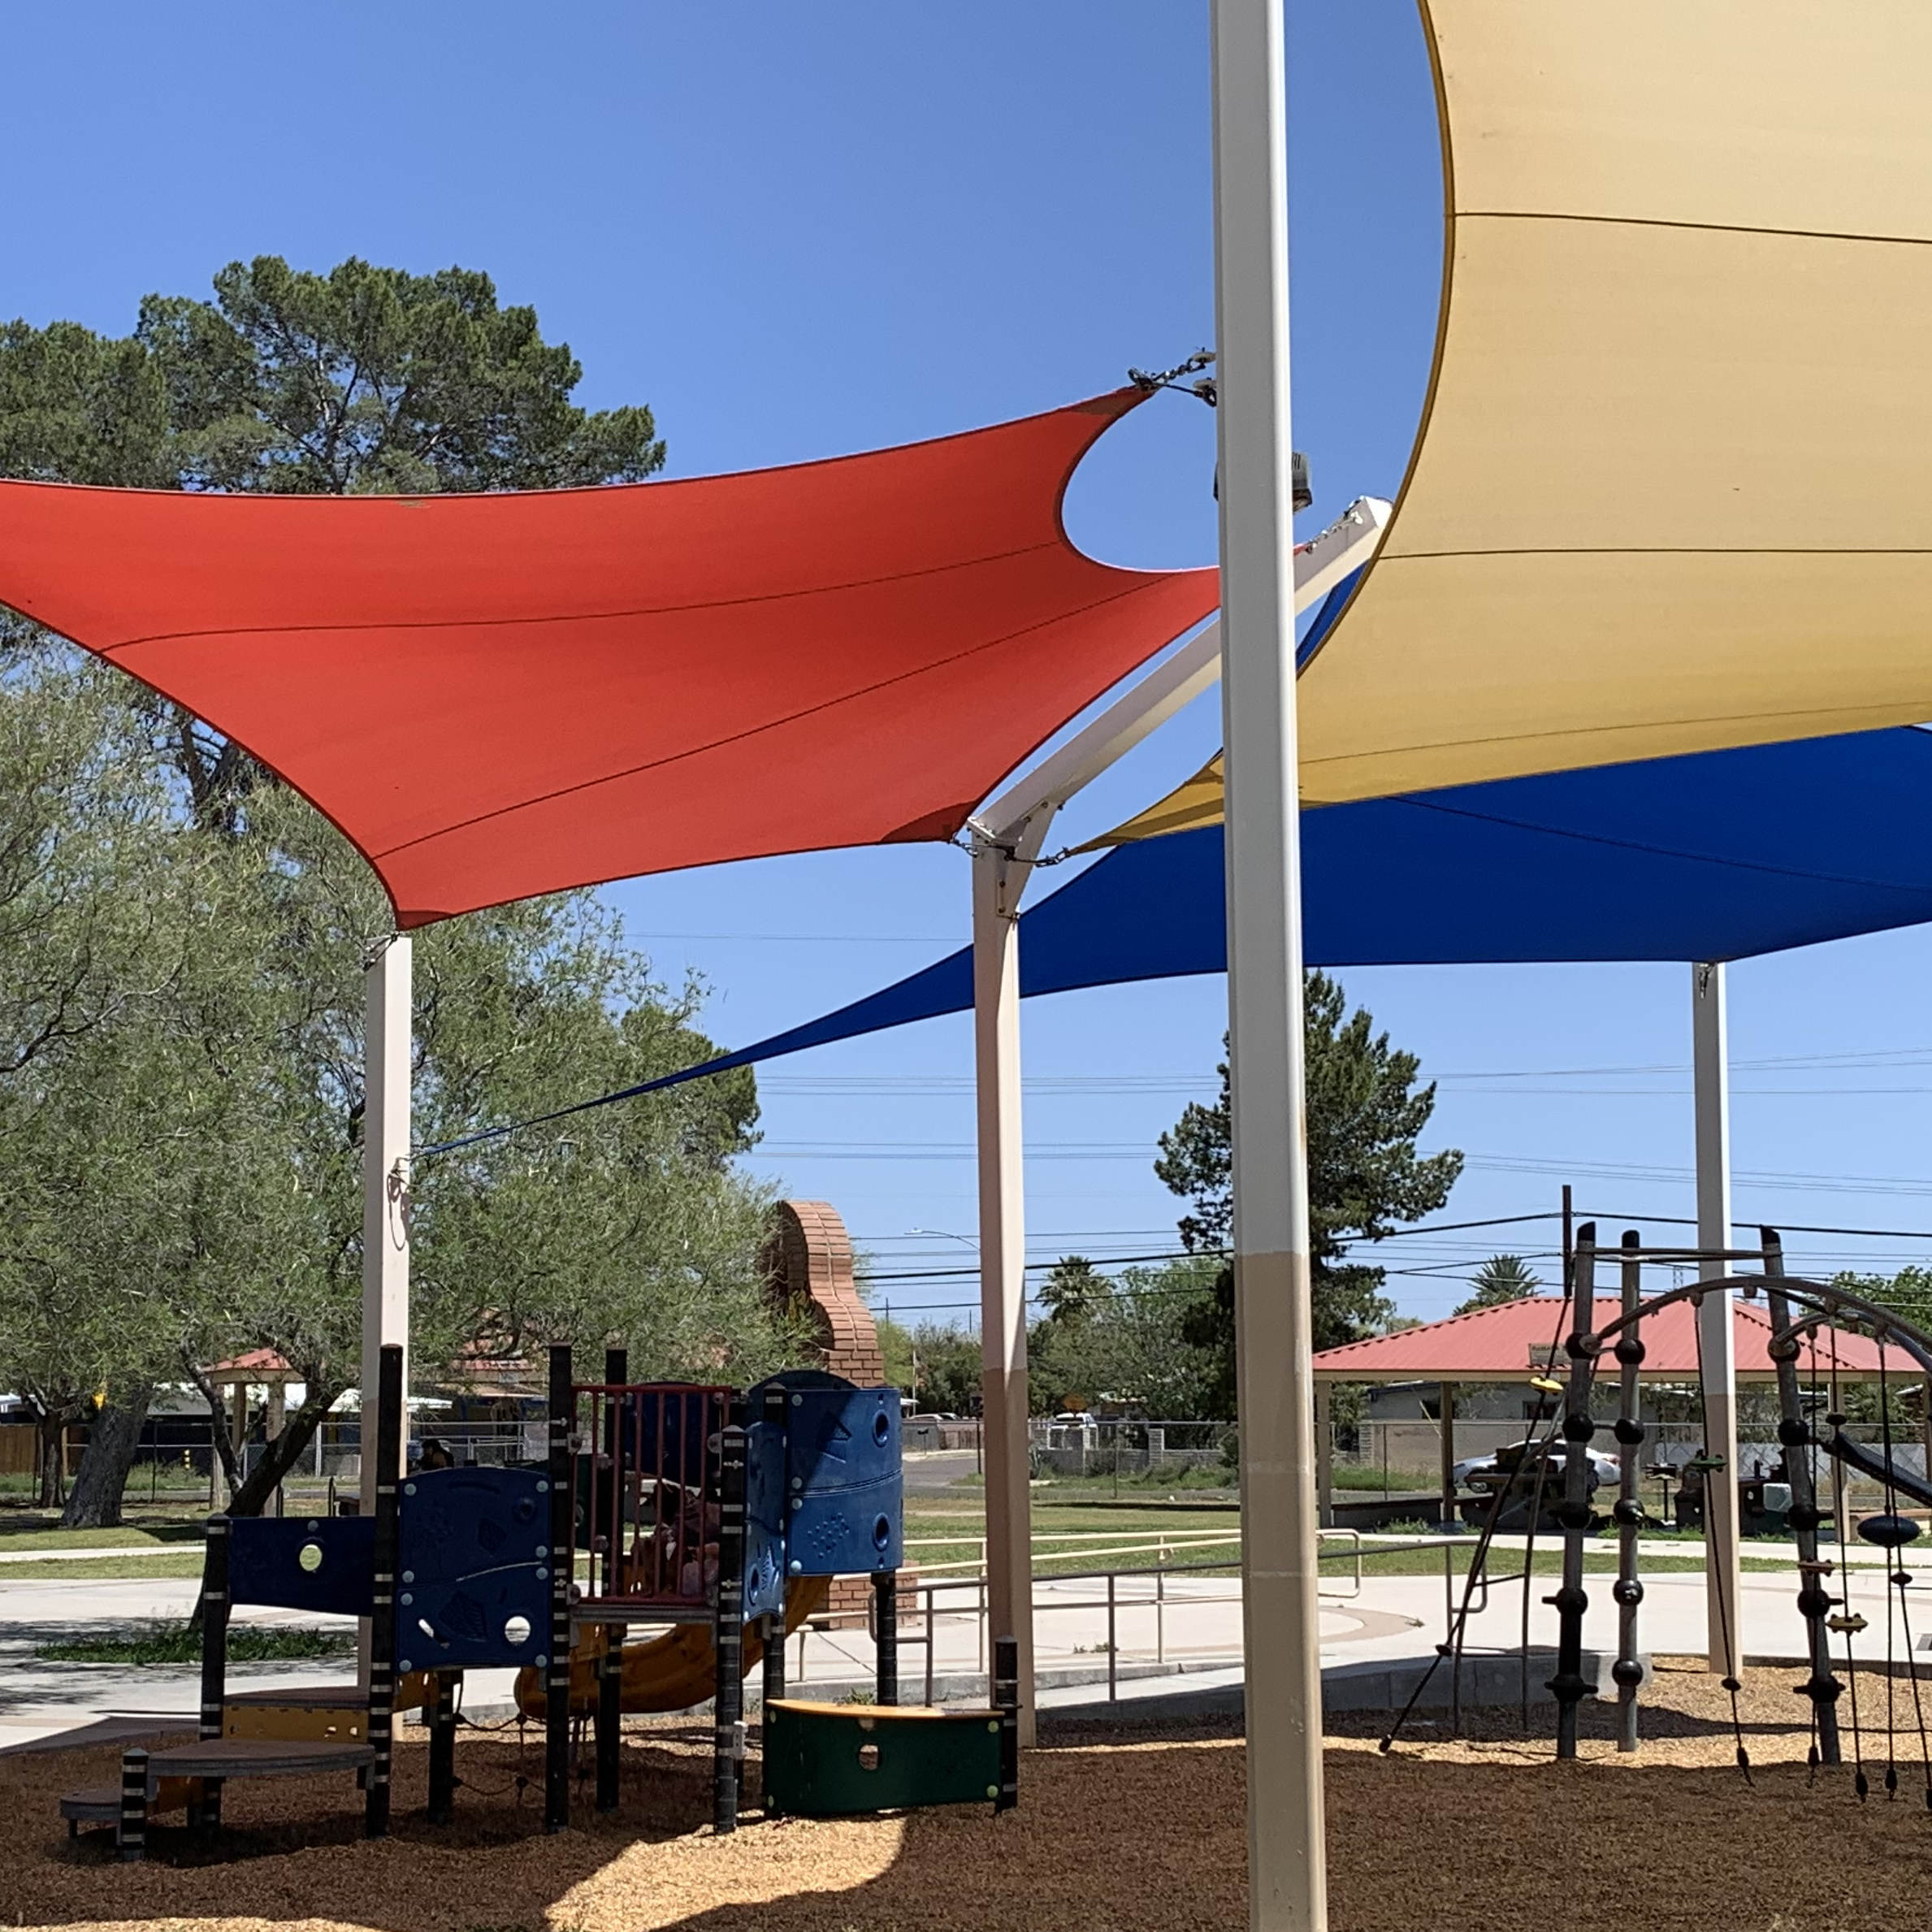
x: 1715, y: 855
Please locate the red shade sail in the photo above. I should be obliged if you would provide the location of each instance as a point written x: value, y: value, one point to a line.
x: 500, y: 695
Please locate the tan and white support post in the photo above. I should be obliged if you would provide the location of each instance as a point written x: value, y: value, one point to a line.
x: 386, y: 1051
x: 1287, y: 1867
x: 996, y: 883
x: 1711, y: 1086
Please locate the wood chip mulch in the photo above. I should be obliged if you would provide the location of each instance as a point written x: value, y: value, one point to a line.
x: 1119, y: 1831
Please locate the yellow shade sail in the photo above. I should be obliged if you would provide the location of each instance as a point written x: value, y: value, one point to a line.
x: 1673, y: 489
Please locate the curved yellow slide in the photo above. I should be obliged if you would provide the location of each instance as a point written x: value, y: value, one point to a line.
x: 671, y: 1672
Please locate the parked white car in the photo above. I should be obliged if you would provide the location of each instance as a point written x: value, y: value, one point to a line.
x: 1606, y: 1467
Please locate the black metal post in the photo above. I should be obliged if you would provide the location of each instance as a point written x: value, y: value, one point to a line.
x: 1006, y: 1700
x: 1627, y: 1672
x: 773, y: 1637
x: 771, y: 1631
x: 728, y: 1634
x: 216, y: 1602
x: 610, y: 1674
x: 1569, y: 1686
x: 382, y: 1609
x: 1814, y: 1601
x: 442, y: 1746
x: 556, y: 1661
x: 131, y: 1832
x: 884, y: 1620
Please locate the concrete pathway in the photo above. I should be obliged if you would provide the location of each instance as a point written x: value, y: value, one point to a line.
x: 1159, y: 1632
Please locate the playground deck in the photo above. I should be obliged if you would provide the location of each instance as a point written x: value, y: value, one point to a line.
x: 1117, y: 1828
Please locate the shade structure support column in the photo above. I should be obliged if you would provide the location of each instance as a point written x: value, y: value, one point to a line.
x: 996, y: 882
x: 1287, y: 1874
x: 1711, y: 1084
x: 385, y: 1045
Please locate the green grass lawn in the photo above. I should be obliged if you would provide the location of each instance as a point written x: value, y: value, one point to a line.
x: 118, y: 1569
x: 177, y: 1644
x: 37, y: 1533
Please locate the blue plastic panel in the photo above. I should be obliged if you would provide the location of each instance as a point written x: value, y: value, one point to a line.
x: 495, y: 1618
x: 840, y: 1438
x: 846, y: 1532
x: 455, y: 1522
x: 265, y: 1566
x: 765, y: 1519
x: 474, y: 1589
x: 843, y: 1488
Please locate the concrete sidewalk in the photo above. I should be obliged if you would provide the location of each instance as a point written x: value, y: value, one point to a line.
x: 1178, y: 1631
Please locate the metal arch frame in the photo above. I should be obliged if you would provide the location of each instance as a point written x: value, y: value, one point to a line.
x: 1585, y: 1345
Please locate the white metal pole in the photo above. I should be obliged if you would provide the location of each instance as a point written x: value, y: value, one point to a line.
x: 1287, y: 1869
x: 1710, y: 1082
x: 1002, y: 1258
x: 386, y: 1047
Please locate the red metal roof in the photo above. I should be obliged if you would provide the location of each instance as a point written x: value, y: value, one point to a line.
x: 260, y: 1365
x: 1509, y: 1342
x: 501, y: 694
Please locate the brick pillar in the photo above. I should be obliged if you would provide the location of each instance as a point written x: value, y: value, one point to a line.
x: 807, y: 1261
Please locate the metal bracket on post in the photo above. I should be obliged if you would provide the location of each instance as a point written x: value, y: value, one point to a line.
x: 1006, y: 1700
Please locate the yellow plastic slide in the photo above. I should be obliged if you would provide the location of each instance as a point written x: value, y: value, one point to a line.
x: 671, y: 1672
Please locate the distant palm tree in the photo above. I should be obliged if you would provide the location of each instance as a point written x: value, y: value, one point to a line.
x: 1501, y: 1278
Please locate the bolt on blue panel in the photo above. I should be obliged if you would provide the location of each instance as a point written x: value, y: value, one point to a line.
x: 322, y: 1563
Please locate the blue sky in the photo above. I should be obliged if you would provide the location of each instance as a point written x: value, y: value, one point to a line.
x: 801, y: 231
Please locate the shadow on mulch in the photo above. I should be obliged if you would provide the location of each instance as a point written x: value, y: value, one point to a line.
x: 1117, y: 1829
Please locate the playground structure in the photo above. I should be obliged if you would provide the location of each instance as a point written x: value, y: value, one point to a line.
x: 714, y: 1517
x: 1621, y: 186
x: 1816, y: 1322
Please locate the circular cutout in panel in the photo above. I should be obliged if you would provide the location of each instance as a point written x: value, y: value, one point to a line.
x: 869, y: 1757
x: 882, y: 1532
x: 516, y: 1631
x: 881, y: 1428
x: 309, y: 1557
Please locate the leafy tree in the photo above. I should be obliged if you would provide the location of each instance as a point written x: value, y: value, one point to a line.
x: 949, y: 1369
x: 1128, y: 1344
x: 1501, y: 1278
x: 180, y: 938
x: 1365, y: 1114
